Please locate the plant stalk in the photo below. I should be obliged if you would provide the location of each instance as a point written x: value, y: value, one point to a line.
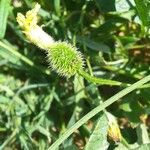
x: 97, y: 110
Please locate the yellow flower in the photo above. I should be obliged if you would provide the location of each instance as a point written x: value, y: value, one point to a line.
x: 113, y: 129
x: 33, y: 32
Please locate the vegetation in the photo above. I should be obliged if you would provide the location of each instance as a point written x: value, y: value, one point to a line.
x: 88, y: 89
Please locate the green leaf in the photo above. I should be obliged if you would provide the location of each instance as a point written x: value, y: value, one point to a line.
x: 121, y: 147
x: 143, y: 8
x: 98, y: 139
x: 72, y: 147
x: 142, y: 134
x: 57, y: 7
x: 143, y: 147
x: 124, y: 5
x: 4, y: 11
x: 78, y: 88
x: 10, y: 53
x: 106, y: 5
x: 93, y: 45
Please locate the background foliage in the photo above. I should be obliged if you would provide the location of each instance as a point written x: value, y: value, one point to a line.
x: 37, y: 105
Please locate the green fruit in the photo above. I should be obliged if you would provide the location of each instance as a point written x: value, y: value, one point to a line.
x: 64, y: 58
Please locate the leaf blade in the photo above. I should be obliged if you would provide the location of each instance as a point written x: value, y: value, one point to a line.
x: 98, y: 139
x: 4, y: 11
x: 143, y: 11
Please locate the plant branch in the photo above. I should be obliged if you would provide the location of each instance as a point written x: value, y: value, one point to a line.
x: 97, y: 110
x: 100, y: 80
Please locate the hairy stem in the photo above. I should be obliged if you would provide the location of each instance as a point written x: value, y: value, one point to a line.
x: 100, y: 80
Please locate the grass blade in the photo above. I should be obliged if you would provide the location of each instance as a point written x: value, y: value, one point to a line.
x: 4, y: 11
x: 143, y: 11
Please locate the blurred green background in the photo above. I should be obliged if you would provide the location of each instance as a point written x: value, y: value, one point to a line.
x: 37, y: 105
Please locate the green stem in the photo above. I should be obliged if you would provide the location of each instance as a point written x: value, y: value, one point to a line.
x: 10, y: 138
x: 100, y: 80
x: 97, y: 110
x: 17, y: 54
x: 125, y: 143
x: 22, y: 57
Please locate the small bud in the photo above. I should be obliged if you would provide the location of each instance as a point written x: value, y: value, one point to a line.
x: 113, y: 130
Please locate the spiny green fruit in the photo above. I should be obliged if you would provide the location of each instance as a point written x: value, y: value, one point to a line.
x: 64, y: 58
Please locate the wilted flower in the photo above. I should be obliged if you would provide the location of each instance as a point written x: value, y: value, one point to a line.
x: 33, y: 32
x: 63, y: 57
